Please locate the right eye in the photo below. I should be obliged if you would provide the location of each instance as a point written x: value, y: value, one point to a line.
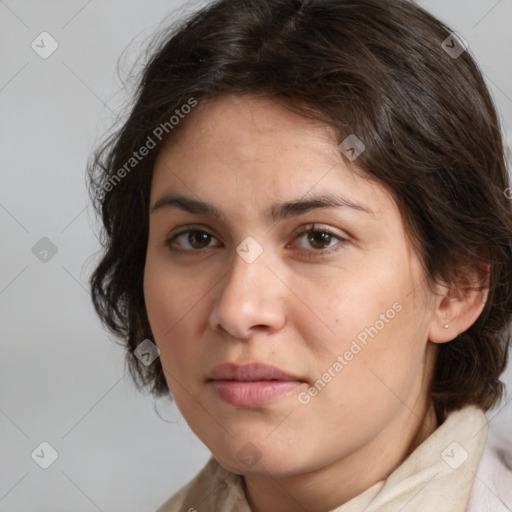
x: 190, y: 240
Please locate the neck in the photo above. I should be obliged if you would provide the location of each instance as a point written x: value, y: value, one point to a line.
x: 331, y: 486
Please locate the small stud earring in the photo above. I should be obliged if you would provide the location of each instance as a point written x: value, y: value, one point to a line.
x: 446, y: 326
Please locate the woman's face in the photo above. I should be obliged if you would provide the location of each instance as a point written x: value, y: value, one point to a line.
x: 250, y: 262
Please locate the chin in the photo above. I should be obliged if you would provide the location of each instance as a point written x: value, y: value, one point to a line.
x: 251, y: 460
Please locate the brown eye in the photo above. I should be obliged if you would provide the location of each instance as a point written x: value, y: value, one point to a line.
x: 199, y: 239
x: 319, y: 239
x: 192, y: 240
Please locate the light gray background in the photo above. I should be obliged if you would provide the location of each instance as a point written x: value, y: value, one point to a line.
x: 62, y: 378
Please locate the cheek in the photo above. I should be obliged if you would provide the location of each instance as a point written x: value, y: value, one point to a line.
x: 358, y: 306
x: 176, y: 311
x: 370, y: 320
x: 390, y: 348
x: 172, y: 303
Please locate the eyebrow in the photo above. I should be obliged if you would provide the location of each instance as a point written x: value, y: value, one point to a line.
x: 278, y: 211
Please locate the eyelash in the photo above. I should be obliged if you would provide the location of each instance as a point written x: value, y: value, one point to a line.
x: 312, y: 228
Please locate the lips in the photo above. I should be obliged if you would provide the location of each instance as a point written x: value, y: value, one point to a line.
x: 251, y: 385
x: 250, y: 372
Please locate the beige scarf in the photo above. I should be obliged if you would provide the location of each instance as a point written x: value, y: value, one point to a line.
x: 436, y: 477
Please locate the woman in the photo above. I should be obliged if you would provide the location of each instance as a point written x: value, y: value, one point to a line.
x: 306, y: 212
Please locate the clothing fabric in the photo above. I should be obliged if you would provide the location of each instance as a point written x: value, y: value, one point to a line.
x: 492, y: 487
x: 453, y: 470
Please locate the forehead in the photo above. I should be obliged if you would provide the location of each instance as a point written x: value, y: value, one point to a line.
x: 246, y: 129
x: 252, y: 151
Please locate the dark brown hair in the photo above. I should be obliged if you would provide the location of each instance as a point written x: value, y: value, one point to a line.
x: 379, y: 69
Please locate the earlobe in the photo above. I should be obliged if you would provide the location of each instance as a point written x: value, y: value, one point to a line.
x: 442, y: 327
x: 458, y: 308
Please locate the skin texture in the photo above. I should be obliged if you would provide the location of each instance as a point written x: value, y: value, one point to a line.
x: 297, y: 306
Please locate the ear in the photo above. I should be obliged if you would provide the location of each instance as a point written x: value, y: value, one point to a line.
x: 458, y: 305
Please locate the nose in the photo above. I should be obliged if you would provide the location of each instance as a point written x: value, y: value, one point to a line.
x: 249, y: 300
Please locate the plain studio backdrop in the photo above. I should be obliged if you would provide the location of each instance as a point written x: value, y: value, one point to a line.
x: 62, y: 378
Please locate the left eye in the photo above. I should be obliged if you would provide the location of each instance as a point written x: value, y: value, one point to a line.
x: 319, y: 238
